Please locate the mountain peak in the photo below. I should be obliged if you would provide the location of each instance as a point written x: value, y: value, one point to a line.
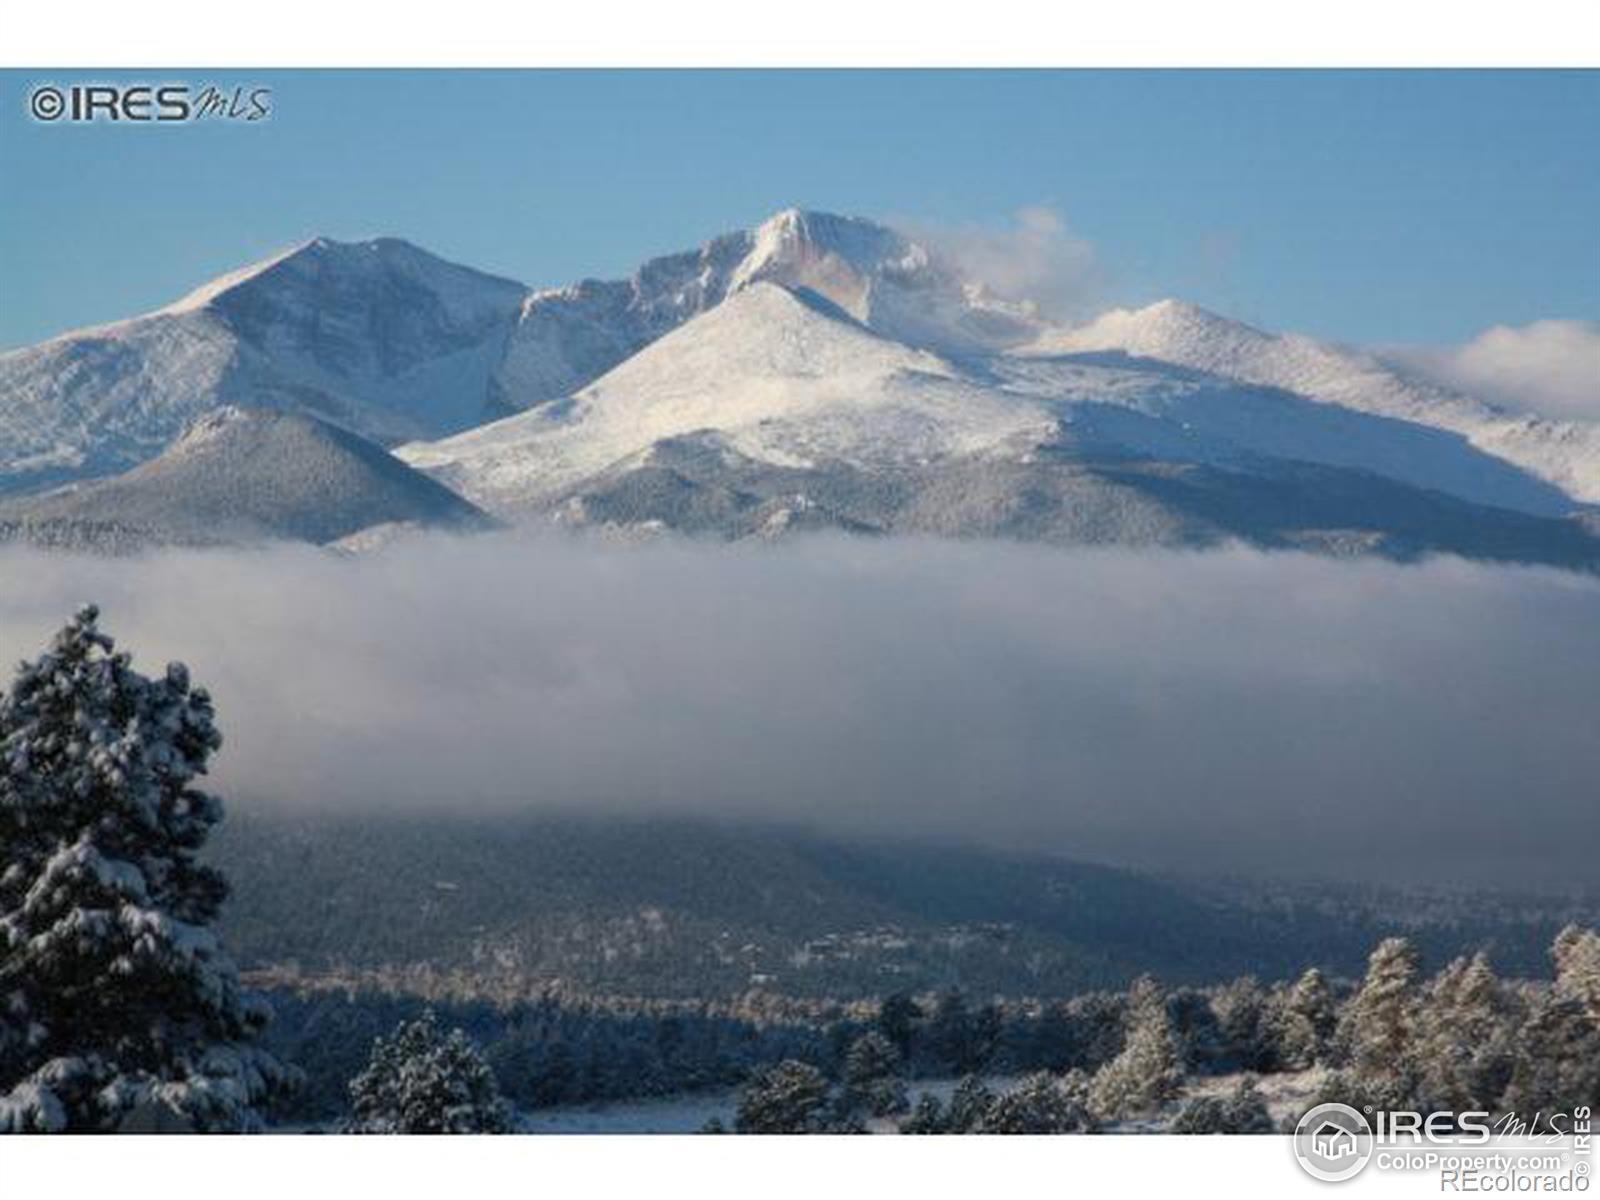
x: 207, y: 292
x: 798, y: 241
x: 1169, y: 329
x: 319, y: 255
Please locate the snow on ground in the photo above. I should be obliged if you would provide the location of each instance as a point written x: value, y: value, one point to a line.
x: 1286, y: 1096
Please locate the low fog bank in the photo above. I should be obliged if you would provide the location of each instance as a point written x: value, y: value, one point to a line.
x: 1221, y: 712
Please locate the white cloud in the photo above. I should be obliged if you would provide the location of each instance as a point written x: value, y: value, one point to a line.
x: 1036, y: 258
x: 1218, y: 711
x: 1548, y: 367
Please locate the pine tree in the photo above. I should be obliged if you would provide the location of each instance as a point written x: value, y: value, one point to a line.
x: 1577, y: 957
x: 950, y: 1032
x: 1243, y: 1024
x: 897, y: 1020
x: 1556, y: 1058
x: 1464, y: 1046
x: 1556, y: 1046
x: 1100, y: 1021
x: 1310, y: 1019
x: 969, y: 1104
x: 1240, y: 1111
x: 1149, y: 1070
x: 927, y: 1116
x: 116, y: 1000
x: 1379, y: 1022
x: 871, y: 1076
x: 1041, y: 1103
x: 791, y: 1097
x: 421, y: 1081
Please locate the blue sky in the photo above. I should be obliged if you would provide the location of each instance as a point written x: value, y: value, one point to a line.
x: 1366, y: 206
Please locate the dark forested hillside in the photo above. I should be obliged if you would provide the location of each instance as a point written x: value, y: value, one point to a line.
x: 690, y: 910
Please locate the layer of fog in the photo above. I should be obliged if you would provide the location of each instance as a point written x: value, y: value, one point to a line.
x: 1219, y: 711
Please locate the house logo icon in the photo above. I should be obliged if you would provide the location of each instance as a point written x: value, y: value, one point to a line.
x: 1333, y: 1142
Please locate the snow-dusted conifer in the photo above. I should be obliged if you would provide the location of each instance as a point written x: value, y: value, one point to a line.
x: 1463, y: 1038
x: 1041, y: 1103
x: 791, y: 1097
x: 422, y: 1081
x: 1242, y: 1110
x: 871, y: 1075
x: 1310, y: 1018
x: 1244, y: 1025
x: 1577, y: 957
x: 118, y: 1006
x: 1556, y: 1059
x: 1149, y: 1071
x: 969, y: 1104
x: 1378, y: 1030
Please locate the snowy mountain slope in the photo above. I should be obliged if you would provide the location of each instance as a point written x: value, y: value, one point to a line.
x: 1064, y: 495
x: 378, y: 337
x: 240, y: 475
x: 568, y: 337
x: 777, y: 411
x: 787, y: 379
x: 1565, y: 454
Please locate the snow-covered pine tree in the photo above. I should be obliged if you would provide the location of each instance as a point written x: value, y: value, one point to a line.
x: 872, y: 1076
x: 117, y: 1003
x: 1577, y: 957
x: 422, y: 1081
x: 1464, y: 1038
x: 969, y: 1104
x: 1149, y: 1071
x: 1556, y: 1059
x: 1243, y: 1025
x: 1310, y: 1018
x: 791, y: 1097
x: 1041, y: 1103
x: 1378, y: 1030
x: 1242, y: 1110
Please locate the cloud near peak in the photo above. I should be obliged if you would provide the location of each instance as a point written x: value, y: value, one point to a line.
x: 1549, y: 367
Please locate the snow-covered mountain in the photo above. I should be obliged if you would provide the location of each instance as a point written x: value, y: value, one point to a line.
x: 378, y: 337
x: 786, y: 378
x: 244, y: 475
x: 568, y: 337
x: 778, y: 410
x: 1565, y: 454
x: 815, y: 371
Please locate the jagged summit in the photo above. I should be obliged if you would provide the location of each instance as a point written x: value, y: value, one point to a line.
x: 568, y: 337
x: 796, y: 247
